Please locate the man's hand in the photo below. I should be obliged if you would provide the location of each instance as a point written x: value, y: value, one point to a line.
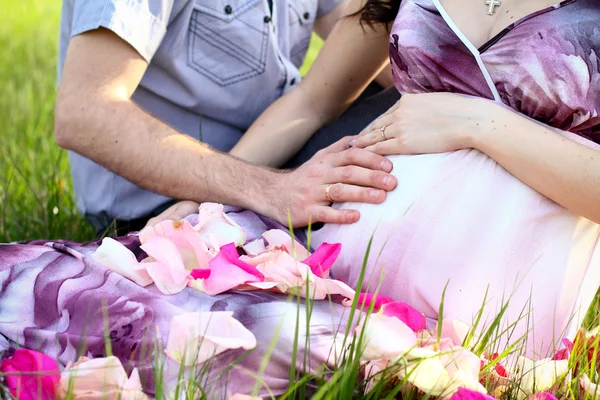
x: 176, y: 212
x: 352, y: 175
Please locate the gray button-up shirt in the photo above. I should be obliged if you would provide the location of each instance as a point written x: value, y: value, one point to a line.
x: 214, y: 66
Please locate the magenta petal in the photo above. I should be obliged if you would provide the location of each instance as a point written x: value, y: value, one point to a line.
x: 561, y: 355
x: 468, y: 394
x: 568, y: 344
x: 405, y: 313
x: 227, y: 272
x: 378, y: 300
x: 234, y: 257
x: 323, y: 258
x: 31, y: 387
x: 200, y: 273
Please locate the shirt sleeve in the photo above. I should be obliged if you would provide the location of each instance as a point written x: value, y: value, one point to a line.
x: 326, y: 6
x: 141, y: 23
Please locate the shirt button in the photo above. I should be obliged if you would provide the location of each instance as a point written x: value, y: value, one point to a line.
x: 267, y: 19
x: 228, y: 9
x: 306, y: 15
x: 293, y: 82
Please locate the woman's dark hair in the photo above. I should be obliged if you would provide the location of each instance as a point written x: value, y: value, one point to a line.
x: 379, y: 12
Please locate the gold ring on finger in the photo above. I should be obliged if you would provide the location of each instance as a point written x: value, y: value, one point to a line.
x: 382, y: 130
x: 327, y: 194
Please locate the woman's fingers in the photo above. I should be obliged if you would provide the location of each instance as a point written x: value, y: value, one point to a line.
x: 360, y: 158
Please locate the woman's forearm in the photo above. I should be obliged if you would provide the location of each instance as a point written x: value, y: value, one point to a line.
x: 349, y: 61
x: 560, y: 168
x: 280, y: 131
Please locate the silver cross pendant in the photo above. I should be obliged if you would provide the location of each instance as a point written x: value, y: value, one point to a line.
x: 492, y: 4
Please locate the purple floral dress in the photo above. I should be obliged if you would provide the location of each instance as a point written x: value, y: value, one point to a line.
x: 461, y: 218
x: 545, y: 66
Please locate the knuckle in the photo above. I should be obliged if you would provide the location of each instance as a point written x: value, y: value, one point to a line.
x: 321, y: 215
x: 336, y: 191
x: 347, y: 173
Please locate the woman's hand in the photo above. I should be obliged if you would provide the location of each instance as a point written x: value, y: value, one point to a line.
x: 428, y: 123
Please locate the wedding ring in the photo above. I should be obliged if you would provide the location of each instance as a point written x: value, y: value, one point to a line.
x: 327, y: 195
x: 382, y: 130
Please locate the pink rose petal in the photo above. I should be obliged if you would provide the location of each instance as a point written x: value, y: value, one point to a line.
x: 323, y: 258
x: 455, y: 330
x: 227, y: 272
x: 385, y: 337
x: 280, y: 239
x: 255, y: 247
x: 167, y: 271
x: 100, y: 378
x: 405, y: 313
x: 216, y: 227
x: 468, y: 394
x: 194, y: 251
x: 35, y: 386
x: 198, y: 336
x: 200, y: 273
x: 118, y: 258
x: 366, y: 299
x: 589, y: 387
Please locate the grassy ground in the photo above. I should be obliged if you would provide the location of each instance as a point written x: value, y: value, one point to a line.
x: 35, y: 188
x: 36, y: 195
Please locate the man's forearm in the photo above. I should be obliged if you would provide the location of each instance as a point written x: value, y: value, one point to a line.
x: 133, y: 144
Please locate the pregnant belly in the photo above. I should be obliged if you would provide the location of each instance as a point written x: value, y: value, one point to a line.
x: 460, y: 218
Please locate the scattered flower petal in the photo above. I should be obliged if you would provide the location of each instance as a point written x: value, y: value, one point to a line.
x: 118, y: 258
x: 323, y: 258
x: 405, y: 313
x: 194, y: 251
x: 255, y: 247
x: 468, y: 394
x: 589, y: 387
x: 538, y: 376
x: 99, y: 379
x: 279, y: 239
x: 226, y: 272
x: 32, y: 375
x: 217, y: 228
x: 167, y: 271
x: 385, y: 337
x: 196, y: 337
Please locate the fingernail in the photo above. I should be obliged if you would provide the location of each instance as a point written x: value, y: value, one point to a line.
x: 374, y: 193
x: 385, y: 165
x: 387, y: 181
x: 351, y: 217
x: 352, y: 143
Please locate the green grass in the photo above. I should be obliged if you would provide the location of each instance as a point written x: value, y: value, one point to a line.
x: 36, y: 193
x: 35, y: 186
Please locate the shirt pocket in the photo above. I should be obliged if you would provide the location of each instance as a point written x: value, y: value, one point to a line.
x: 228, y: 40
x: 302, y: 18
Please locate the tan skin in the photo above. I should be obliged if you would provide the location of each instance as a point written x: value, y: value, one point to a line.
x: 96, y: 118
x: 561, y: 169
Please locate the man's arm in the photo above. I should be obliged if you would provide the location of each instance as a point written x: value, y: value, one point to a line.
x: 96, y: 118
